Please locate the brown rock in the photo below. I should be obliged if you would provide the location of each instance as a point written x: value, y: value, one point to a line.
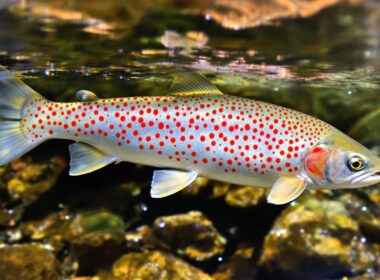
x: 245, y: 196
x: 155, y: 266
x: 28, y: 262
x: 191, y: 235
x: 316, y: 239
x: 239, y: 267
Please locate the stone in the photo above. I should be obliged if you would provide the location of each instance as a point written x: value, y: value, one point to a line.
x: 245, y: 196
x: 28, y: 262
x: 240, y: 266
x: 96, y: 239
x: 155, y: 265
x: 316, y: 239
x: 191, y: 235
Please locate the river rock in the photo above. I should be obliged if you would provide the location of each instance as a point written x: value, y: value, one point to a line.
x: 155, y: 265
x: 28, y: 262
x: 316, y: 239
x: 191, y: 235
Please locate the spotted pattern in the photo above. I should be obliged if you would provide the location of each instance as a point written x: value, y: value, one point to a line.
x: 223, y: 134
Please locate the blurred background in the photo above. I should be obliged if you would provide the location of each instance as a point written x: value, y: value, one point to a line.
x: 320, y: 57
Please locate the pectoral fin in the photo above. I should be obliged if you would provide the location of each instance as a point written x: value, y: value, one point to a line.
x: 85, y: 159
x: 168, y: 182
x: 286, y: 189
x: 86, y: 96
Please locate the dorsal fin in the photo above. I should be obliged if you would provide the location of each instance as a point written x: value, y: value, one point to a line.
x: 86, y: 96
x: 192, y: 83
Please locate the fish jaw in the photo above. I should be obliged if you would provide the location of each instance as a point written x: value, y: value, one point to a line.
x: 369, y: 178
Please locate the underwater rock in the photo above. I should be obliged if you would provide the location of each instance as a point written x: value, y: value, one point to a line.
x: 27, y: 179
x: 197, y: 186
x: 245, y: 196
x: 28, y: 262
x: 135, y: 239
x: 240, y: 266
x: 365, y: 213
x: 155, y: 265
x: 234, y: 195
x: 97, y: 240
x: 316, y: 239
x: 97, y: 250
x: 22, y: 181
x: 94, y: 222
x: 50, y: 231
x: 191, y: 235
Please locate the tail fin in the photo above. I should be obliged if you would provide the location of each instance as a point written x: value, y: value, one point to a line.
x: 14, y: 94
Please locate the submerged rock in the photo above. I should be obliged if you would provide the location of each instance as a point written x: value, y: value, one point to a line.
x: 245, y: 196
x: 191, y: 235
x: 315, y: 239
x: 51, y: 230
x: 240, y: 266
x: 234, y: 195
x: 365, y: 213
x: 97, y: 240
x: 22, y: 181
x: 97, y: 250
x: 155, y: 265
x: 27, y: 179
x: 28, y: 262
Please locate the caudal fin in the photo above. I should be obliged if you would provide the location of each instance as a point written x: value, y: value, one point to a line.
x: 14, y: 94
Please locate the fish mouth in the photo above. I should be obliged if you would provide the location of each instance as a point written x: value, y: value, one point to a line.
x: 370, y: 178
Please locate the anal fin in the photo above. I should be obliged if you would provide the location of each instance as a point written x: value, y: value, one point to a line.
x: 85, y: 159
x: 286, y: 189
x: 168, y: 182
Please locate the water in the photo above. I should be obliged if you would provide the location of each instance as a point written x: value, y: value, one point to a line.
x: 327, y: 66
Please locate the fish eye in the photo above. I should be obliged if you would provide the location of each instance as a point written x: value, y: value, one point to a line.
x: 356, y: 163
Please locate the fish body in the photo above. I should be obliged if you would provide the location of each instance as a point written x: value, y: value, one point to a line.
x: 197, y: 131
x: 221, y: 137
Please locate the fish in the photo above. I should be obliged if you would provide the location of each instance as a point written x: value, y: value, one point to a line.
x: 190, y: 40
x: 194, y: 131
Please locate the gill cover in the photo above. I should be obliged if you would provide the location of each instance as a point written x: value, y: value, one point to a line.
x: 316, y: 161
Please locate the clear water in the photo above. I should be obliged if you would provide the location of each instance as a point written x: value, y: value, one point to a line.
x: 327, y: 66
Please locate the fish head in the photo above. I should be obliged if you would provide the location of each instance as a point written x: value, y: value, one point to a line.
x: 339, y: 162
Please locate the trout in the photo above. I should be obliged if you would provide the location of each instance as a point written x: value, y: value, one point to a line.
x: 194, y: 131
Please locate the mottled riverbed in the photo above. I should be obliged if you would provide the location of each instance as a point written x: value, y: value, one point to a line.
x: 105, y: 225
